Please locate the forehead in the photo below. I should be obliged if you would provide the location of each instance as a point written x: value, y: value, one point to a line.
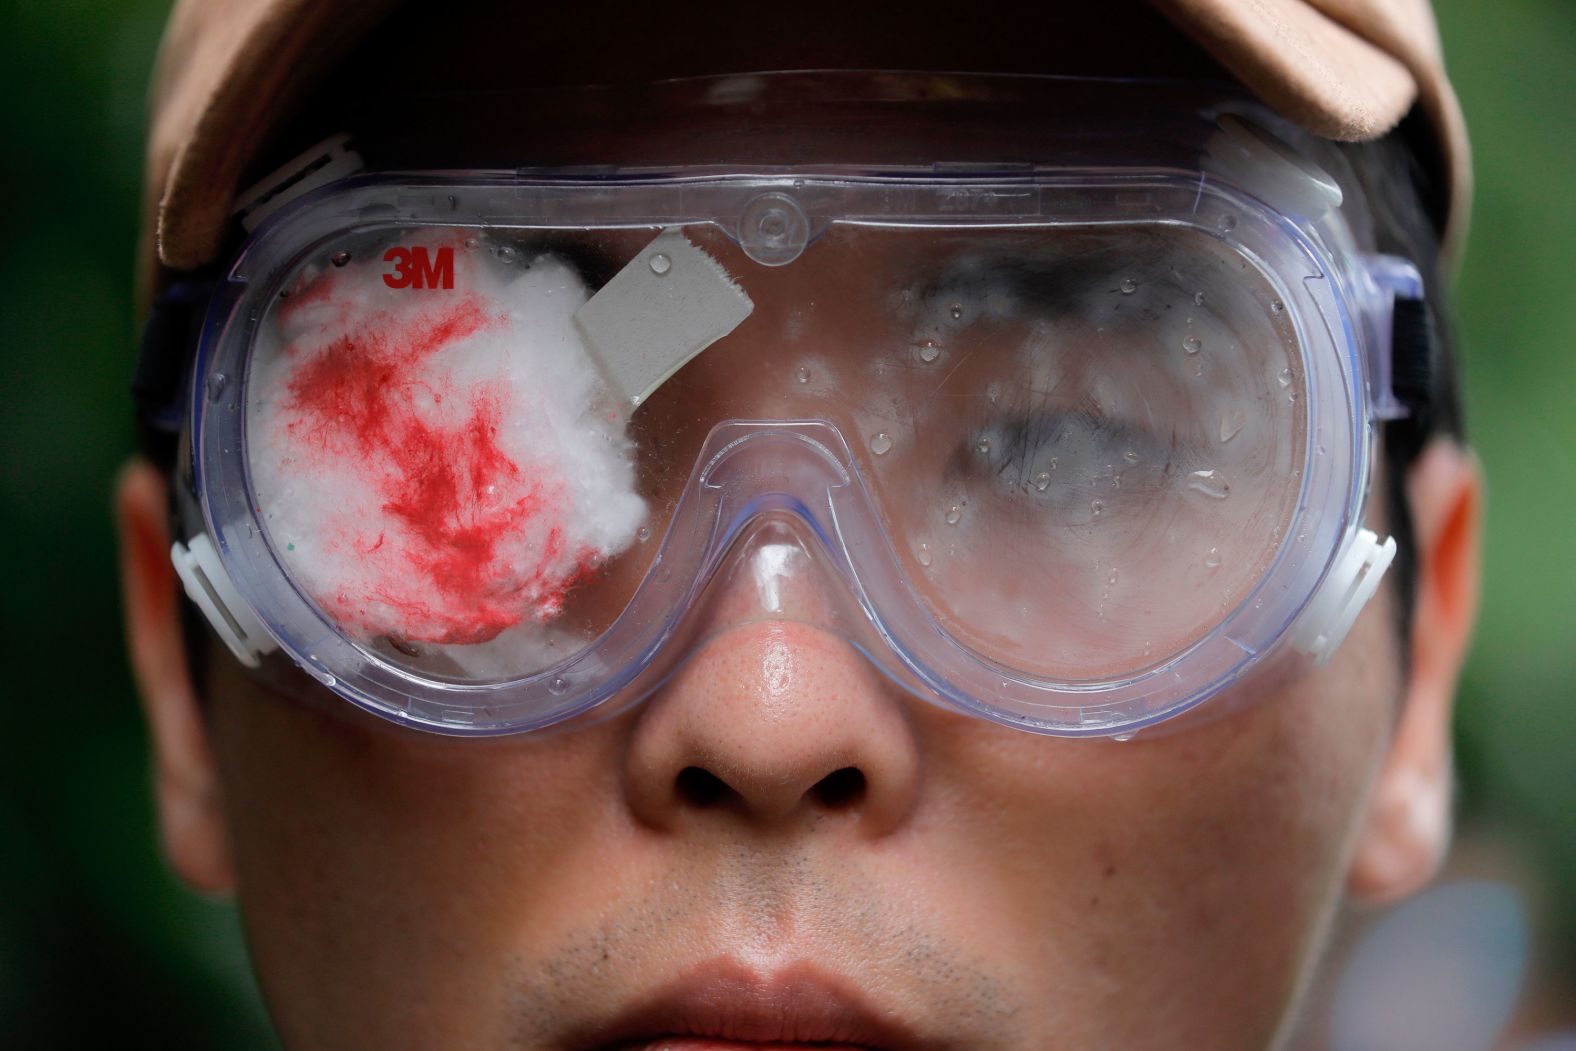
x: 461, y: 78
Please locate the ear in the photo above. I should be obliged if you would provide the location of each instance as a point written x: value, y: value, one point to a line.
x: 186, y: 787
x: 1407, y: 829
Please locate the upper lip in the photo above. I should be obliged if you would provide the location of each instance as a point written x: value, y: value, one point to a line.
x: 725, y: 1000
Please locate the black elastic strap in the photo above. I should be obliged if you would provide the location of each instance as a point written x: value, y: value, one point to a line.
x: 1413, y: 358
x: 164, y: 359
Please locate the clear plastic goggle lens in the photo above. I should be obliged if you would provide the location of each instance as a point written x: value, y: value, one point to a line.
x: 1083, y: 444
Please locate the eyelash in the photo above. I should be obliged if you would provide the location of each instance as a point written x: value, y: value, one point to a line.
x: 1015, y: 449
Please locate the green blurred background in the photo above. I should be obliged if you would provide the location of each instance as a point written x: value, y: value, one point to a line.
x: 100, y: 946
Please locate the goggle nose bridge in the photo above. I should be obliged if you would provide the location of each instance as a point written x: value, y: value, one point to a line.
x: 817, y: 441
x: 800, y: 469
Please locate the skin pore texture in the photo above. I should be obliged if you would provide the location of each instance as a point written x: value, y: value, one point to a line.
x: 974, y: 887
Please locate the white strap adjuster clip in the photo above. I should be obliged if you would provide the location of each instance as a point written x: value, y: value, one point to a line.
x: 1352, y: 581
x: 328, y: 161
x: 208, y: 584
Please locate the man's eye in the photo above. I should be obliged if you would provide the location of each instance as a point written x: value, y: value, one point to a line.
x: 1065, y: 458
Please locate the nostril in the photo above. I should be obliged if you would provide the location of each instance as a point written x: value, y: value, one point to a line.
x: 840, y: 789
x: 701, y: 788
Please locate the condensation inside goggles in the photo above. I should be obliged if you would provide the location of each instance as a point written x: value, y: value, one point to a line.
x: 1071, y: 450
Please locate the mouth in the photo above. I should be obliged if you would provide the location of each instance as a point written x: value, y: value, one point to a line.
x: 725, y: 1006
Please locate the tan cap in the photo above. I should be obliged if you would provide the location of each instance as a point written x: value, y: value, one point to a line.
x: 230, y: 70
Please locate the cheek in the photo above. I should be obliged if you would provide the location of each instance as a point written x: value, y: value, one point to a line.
x: 1194, y: 874
x: 386, y: 880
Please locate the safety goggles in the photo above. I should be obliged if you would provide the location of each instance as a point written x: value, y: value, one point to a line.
x: 1070, y: 446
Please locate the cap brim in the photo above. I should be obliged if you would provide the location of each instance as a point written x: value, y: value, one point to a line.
x: 1344, y: 69
x: 230, y: 70
x: 227, y: 72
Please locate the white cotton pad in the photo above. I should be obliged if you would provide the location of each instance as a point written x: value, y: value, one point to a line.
x: 438, y: 465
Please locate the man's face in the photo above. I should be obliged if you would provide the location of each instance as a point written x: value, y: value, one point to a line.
x: 781, y: 848
x: 978, y: 887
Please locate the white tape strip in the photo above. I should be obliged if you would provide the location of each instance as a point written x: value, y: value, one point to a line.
x: 668, y: 304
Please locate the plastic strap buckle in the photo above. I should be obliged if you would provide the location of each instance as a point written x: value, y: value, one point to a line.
x: 208, y: 584
x: 328, y: 161
x: 1351, y: 582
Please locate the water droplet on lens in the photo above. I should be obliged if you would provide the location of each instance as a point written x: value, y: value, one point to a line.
x: 471, y: 244
x: 660, y: 263
x: 339, y: 258
x: 1096, y: 507
x: 559, y: 684
x: 956, y: 310
x: 1210, y: 483
x: 505, y: 254
x: 1112, y: 579
x: 954, y: 515
x: 924, y: 554
x: 1129, y: 286
x: 1127, y: 736
x: 1130, y: 456
x: 642, y: 534
x: 1276, y: 306
x: 993, y: 393
x: 1212, y: 560
x: 1231, y: 424
x: 1228, y: 223
x: 1042, y: 481
x: 802, y: 374
x: 1198, y: 299
x: 216, y: 384
x: 982, y: 446
x: 1192, y: 345
x: 1285, y: 378
x: 928, y: 351
x: 1291, y: 395
x: 881, y: 443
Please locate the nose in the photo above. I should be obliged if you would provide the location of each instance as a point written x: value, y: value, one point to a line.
x: 774, y: 719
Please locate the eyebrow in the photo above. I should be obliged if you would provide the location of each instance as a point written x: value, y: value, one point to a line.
x: 1058, y: 277
x: 1057, y: 286
x: 1051, y: 282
